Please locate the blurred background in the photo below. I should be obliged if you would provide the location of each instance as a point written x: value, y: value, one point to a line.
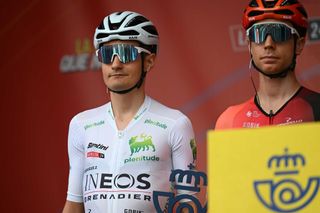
x: 49, y: 73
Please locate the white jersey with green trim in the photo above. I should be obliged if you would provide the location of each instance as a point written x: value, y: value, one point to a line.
x: 117, y: 171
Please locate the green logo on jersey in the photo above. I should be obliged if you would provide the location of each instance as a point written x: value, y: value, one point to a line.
x: 94, y: 124
x: 194, y: 148
x: 141, y: 143
x: 155, y: 123
x: 141, y: 158
x: 138, y: 115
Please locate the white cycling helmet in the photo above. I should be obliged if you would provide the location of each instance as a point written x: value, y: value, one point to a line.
x: 127, y: 25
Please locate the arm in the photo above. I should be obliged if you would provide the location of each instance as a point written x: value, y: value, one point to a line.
x: 183, y: 145
x: 223, y: 121
x: 226, y: 119
x: 74, y: 203
x: 73, y: 207
x: 184, y: 153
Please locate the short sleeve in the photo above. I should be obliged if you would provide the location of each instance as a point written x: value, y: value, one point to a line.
x: 183, y: 148
x: 76, y: 161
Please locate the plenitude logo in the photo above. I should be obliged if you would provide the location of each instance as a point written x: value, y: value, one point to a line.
x: 141, y: 143
x: 94, y: 124
x: 156, y: 123
x: 287, y: 192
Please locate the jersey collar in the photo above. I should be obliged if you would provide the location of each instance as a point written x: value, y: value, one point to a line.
x: 143, y: 108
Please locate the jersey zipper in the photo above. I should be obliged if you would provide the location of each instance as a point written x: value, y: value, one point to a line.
x: 117, y: 161
x: 271, y: 117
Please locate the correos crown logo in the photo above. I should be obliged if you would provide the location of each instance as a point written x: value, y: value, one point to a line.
x: 188, y: 180
x: 286, y: 192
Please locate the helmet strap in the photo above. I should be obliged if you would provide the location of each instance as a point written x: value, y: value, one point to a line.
x: 280, y: 74
x: 283, y: 73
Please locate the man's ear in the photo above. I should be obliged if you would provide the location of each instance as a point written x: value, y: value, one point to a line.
x: 149, y: 61
x: 300, y: 45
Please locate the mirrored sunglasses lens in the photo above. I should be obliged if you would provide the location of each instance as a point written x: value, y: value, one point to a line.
x: 106, y: 54
x: 125, y: 53
x: 284, y: 33
x: 257, y: 33
x: 128, y: 54
x: 278, y: 32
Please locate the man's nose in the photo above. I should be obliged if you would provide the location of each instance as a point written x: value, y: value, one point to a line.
x: 268, y: 43
x: 115, y: 62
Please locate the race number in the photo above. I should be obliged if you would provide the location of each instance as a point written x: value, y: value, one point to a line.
x: 314, y: 29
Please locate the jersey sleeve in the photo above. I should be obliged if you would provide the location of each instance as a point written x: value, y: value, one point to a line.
x: 225, y: 120
x: 183, y: 148
x: 76, y: 160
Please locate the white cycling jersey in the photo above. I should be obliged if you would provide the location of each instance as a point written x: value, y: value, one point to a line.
x: 117, y: 171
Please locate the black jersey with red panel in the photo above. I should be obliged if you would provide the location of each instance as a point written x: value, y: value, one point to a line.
x: 303, y: 106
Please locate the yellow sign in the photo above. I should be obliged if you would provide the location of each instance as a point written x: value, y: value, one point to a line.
x: 271, y: 169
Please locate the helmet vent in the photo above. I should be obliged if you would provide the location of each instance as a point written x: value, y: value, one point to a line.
x: 115, y: 26
x: 284, y: 12
x: 128, y: 32
x: 289, y: 2
x: 253, y: 3
x: 102, y: 35
x: 269, y: 4
x: 136, y: 21
x: 101, y: 26
x: 150, y: 29
x: 255, y: 13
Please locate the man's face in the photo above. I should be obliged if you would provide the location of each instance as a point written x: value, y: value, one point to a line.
x: 120, y: 76
x: 273, y: 56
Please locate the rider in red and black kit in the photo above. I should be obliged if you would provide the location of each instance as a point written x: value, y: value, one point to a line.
x: 276, y: 34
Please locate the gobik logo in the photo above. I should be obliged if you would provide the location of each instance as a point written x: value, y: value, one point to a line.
x: 141, y: 143
x: 178, y: 176
x: 286, y: 192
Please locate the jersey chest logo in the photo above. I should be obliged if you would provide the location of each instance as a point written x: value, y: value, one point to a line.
x: 141, y: 143
x: 96, y: 150
x: 142, y: 149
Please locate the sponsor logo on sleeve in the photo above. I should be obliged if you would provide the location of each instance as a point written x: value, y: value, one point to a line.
x: 94, y: 124
x: 156, y: 123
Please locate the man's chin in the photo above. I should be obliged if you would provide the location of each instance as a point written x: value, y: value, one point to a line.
x: 270, y: 69
x: 119, y: 87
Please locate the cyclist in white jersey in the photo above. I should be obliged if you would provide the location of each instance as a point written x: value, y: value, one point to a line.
x: 123, y: 151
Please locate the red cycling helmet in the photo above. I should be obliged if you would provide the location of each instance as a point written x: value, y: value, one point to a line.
x: 283, y: 10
